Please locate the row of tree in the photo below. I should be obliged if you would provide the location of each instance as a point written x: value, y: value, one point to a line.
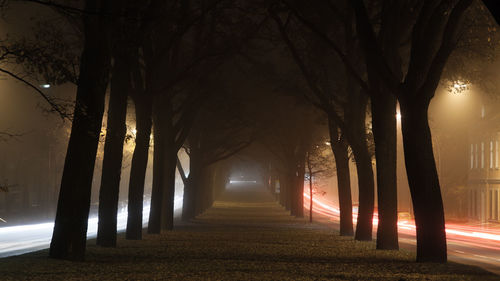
x: 167, y: 57
x: 352, y: 54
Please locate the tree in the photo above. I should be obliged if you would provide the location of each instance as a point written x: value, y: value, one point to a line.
x: 432, y: 28
x: 123, y: 47
x: 70, y: 228
x: 346, y: 109
x: 319, y: 164
x: 221, y: 130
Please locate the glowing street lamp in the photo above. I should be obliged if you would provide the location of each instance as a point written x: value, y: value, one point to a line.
x: 45, y: 86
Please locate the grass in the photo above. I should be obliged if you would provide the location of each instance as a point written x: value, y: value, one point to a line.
x: 239, y: 241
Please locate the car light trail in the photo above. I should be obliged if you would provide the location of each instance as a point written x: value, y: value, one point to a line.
x: 16, y: 240
x: 474, y: 239
x: 326, y: 208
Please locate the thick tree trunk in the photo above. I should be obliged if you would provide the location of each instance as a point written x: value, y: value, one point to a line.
x: 191, y: 188
x: 364, y: 225
x: 138, y: 168
x: 384, y: 133
x: 170, y: 158
x: 424, y: 182
x: 70, y: 229
x: 154, y: 224
x: 341, y: 155
x: 113, y: 153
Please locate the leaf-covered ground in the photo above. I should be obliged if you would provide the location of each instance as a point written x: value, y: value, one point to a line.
x: 239, y: 241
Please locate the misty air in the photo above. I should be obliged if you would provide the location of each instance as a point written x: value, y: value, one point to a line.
x: 249, y: 140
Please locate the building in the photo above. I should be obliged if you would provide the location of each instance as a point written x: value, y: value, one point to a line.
x: 483, y: 184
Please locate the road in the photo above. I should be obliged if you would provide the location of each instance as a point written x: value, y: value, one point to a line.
x: 470, y: 244
x: 16, y: 240
x: 474, y: 244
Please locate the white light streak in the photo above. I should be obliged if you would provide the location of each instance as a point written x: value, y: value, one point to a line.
x: 16, y: 240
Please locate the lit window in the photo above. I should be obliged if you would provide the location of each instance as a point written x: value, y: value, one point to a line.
x: 472, y: 156
x: 482, y: 155
x: 476, y: 156
x: 496, y: 154
x: 491, y: 154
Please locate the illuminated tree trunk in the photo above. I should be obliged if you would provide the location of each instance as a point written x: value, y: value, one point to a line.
x: 113, y: 153
x: 70, y: 228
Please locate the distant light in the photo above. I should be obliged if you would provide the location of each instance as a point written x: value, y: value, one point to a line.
x: 239, y: 182
x: 459, y: 85
x: 328, y: 143
x: 398, y: 116
x: 45, y: 86
x: 134, y: 131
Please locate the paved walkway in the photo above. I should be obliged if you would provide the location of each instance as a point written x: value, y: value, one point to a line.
x: 244, y: 236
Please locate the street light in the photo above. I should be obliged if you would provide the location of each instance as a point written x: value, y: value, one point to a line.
x: 45, y: 86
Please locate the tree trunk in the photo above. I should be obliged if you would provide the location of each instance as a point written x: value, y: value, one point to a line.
x: 299, y: 194
x: 154, y: 224
x: 113, y: 153
x: 364, y: 225
x: 424, y: 182
x: 344, y: 189
x: 341, y: 155
x: 70, y: 228
x: 170, y: 158
x: 191, y: 188
x: 384, y: 133
x: 310, y: 188
x: 138, y: 167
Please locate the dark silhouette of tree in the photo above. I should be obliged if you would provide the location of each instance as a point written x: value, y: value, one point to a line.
x: 346, y: 109
x: 70, y: 228
x: 433, y: 31
x: 116, y: 129
x: 221, y: 129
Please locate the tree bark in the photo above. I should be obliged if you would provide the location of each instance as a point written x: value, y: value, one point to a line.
x: 154, y: 224
x: 138, y: 167
x: 70, y: 228
x: 113, y: 154
x: 424, y: 182
x: 341, y: 155
x: 170, y: 158
x: 384, y: 133
x: 364, y: 225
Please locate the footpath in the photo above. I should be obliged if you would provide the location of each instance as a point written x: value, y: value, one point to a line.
x: 244, y: 236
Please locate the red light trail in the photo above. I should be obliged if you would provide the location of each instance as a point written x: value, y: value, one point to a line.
x: 479, y: 243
